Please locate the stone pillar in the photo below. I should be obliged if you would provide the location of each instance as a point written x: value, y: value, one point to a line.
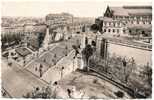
x: 83, y: 41
x: 80, y: 58
x: 98, y: 45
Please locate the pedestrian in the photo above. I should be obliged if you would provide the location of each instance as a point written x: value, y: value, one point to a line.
x: 69, y: 93
x: 124, y: 62
x: 132, y: 60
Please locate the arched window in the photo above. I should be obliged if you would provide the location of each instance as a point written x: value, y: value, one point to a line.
x: 109, y: 30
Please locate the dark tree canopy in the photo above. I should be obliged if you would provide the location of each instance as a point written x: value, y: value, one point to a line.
x: 40, y: 39
x: 88, y: 51
x: 94, y: 27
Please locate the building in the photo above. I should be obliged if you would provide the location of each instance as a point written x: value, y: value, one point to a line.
x: 54, y: 20
x: 127, y: 20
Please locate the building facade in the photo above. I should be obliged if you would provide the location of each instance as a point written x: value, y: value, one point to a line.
x: 127, y: 20
x: 54, y: 20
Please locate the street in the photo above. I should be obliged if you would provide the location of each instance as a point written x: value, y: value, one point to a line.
x: 18, y: 81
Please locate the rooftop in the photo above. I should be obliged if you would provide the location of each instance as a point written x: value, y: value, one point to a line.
x: 23, y: 51
x: 131, y: 10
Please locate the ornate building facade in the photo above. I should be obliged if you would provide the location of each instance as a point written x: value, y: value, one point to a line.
x: 126, y: 20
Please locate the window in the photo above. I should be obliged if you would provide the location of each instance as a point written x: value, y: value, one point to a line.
x: 141, y: 18
x: 113, y: 24
x: 104, y: 23
x: 143, y: 22
x: 109, y: 23
x: 109, y: 30
x: 104, y: 30
x: 127, y: 17
x: 117, y: 30
x: 137, y: 22
x: 113, y: 18
x: 130, y: 31
x: 132, y: 22
x: 113, y: 30
x: 118, y: 24
x: 149, y: 22
x: 124, y: 31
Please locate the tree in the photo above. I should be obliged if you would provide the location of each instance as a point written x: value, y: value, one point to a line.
x: 40, y: 39
x: 87, y: 53
x: 76, y: 50
x: 124, y: 62
x: 40, y: 70
x: 45, y: 93
x: 54, y: 59
x: 66, y: 48
x: 147, y: 71
x: 94, y: 27
x: 130, y: 68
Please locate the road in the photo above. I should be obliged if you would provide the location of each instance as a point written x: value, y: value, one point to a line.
x: 18, y: 81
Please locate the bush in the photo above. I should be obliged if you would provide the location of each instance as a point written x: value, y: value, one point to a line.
x: 39, y: 93
x: 119, y: 94
x: 95, y: 81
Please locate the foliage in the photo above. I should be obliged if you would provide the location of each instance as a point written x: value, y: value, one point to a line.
x: 14, y: 38
x: 40, y: 39
x: 94, y: 27
x: 44, y: 92
x: 119, y: 94
x: 76, y: 50
x: 87, y: 53
x: 126, y: 75
x: 66, y: 49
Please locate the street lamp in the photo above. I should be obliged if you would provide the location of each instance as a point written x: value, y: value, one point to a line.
x: 62, y: 72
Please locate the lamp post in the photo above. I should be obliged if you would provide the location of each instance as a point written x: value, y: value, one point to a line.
x: 62, y: 72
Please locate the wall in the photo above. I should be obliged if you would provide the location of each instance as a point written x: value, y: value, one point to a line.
x: 141, y: 56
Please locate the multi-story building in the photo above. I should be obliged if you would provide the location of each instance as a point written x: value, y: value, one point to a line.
x: 127, y: 20
x: 54, y: 20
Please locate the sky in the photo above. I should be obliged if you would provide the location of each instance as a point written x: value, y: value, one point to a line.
x: 84, y: 8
